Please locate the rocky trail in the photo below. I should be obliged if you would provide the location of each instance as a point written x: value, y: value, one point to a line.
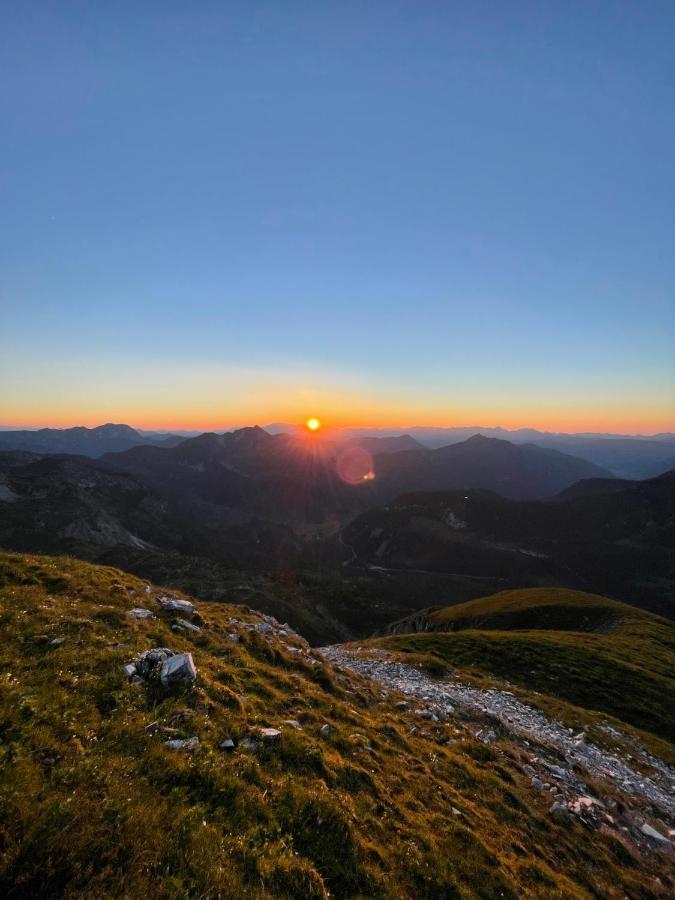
x: 559, y: 759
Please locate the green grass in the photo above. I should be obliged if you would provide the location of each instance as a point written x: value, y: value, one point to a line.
x: 590, y: 651
x: 91, y: 805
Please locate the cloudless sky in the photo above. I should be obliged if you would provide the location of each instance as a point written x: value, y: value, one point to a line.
x: 378, y: 212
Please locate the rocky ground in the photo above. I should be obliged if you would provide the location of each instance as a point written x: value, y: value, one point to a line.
x: 638, y: 805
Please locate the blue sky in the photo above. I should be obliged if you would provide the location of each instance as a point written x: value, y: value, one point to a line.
x: 381, y: 212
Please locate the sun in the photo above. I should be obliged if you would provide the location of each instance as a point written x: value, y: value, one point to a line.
x: 313, y: 424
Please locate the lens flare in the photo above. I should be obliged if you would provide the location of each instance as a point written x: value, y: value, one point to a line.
x: 354, y: 465
x: 313, y: 424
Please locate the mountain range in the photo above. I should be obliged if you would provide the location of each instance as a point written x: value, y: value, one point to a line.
x: 94, y: 442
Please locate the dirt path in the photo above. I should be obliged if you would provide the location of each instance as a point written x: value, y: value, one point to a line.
x: 439, y: 696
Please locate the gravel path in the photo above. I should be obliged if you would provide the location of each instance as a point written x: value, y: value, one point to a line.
x: 522, y: 720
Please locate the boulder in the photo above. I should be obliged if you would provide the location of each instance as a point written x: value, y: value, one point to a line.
x: 149, y: 664
x: 178, y: 669
x: 173, y: 604
x: 269, y: 735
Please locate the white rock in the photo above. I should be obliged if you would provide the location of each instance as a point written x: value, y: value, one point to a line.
x: 269, y: 735
x: 138, y: 612
x: 652, y: 833
x: 57, y: 642
x: 130, y: 670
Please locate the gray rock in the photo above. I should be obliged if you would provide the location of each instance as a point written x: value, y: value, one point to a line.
x: 488, y: 737
x: 56, y: 642
x: 138, y: 612
x: 536, y: 783
x: 188, y: 626
x: 558, y: 809
x: 269, y: 735
x: 326, y: 729
x: 178, y: 670
x: 234, y: 638
x: 293, y: 723
x: 227, y: 744
x: 130, y: 670
x: 652, y: 833
x: 190, y: 744
x: 173, y: 604
x: 149, y: 664
x: 529, y: 770
x: 263, y: 627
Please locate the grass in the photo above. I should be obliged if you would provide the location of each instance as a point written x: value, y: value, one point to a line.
x: 92, y: 804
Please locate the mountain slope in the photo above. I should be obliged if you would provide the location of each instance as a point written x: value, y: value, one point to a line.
x: 95, y: 442
x: 620, y: 543
x: 93, y: 801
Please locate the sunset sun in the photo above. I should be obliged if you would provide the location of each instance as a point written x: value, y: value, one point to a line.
x: 313, y: 424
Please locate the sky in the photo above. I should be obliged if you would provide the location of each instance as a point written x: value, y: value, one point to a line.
x: 384, y: 213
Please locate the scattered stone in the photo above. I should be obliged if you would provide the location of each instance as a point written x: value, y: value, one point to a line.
x: 234, y: 638
x: 57, y: 642
x: 424, y: 714
x: 269, y: 735
x: 188, y: 626
x: 138, y: 612
x: 293, y: 723
x: 325, y: 730
x: 536, y: 783
x: 488, y: 737
x: 529, y: 770
x: 130, y: 670
x: 178, y: 670
x: 173, y: 604
x: 190, y: 744
x: 227, y: 744
x: 403, y: 704
x: 263, y: 627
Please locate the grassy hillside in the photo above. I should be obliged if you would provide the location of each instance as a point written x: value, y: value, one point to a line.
x: 588, y: 650
x: 93, y: 804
